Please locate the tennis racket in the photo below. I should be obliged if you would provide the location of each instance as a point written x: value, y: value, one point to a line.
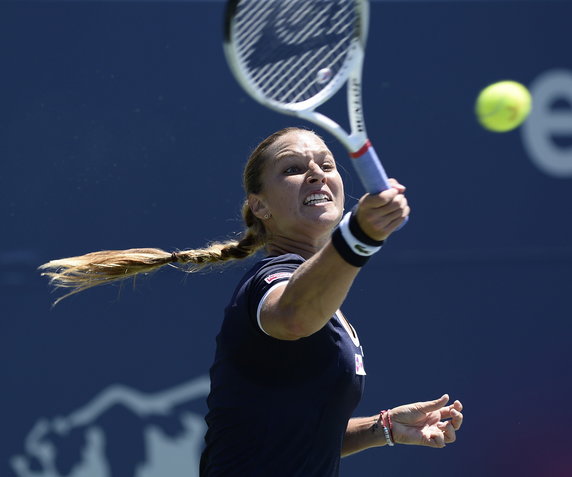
x: 294, y: 55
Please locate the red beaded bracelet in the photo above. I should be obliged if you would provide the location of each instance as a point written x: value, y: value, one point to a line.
x: 385, y: 421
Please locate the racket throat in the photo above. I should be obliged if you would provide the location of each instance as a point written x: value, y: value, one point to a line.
x: 362, y: 150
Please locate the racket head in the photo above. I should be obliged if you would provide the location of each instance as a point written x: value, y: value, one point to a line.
x: 293, y: 55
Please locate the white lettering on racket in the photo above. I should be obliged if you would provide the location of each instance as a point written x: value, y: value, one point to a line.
x: 357, y: 118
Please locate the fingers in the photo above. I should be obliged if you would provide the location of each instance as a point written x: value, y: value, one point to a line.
x: 384, y: 198
x: 447, y: 432
x: 380, y: 214
x: 396, y: 185
x: 456, y: 419
x: 448, y: 427
x: 436, y: 438
x: 452, y: 411
x: 435, y: 405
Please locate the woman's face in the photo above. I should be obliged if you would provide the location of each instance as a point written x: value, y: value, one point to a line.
x: 302, y: 188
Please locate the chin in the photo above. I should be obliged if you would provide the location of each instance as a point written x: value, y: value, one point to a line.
x: 327, y: 217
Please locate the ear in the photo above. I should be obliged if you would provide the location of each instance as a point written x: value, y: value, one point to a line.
x: 258, y: 206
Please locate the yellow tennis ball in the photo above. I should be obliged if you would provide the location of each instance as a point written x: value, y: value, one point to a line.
x: 503, y: 106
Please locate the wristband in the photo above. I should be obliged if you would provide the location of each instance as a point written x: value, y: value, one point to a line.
x: 352, y: 243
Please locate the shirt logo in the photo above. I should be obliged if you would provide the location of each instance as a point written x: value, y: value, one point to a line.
x: 359, y: 365
x: 276, y: 276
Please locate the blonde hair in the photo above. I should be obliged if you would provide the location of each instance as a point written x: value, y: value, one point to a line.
x: 108, y: 266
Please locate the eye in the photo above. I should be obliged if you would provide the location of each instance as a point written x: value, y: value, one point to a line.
x: 293, y: 170
x: 328, y: 166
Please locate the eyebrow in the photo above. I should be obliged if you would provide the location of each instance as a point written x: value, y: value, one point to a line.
x: 293, y: 153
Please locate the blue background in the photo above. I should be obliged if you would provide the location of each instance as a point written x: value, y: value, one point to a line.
x: 121, y: 126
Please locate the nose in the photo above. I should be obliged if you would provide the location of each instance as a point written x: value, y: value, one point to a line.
x: 316, y: 174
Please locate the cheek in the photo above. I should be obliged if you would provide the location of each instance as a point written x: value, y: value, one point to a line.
x: 284, y: 195
x: 338, y: 185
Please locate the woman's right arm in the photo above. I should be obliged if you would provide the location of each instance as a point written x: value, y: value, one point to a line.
x: 320, y: 285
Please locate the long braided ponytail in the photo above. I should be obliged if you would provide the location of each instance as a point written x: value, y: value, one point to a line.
x: 107, y: 266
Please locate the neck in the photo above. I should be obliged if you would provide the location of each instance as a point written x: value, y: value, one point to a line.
x: 280, y: 245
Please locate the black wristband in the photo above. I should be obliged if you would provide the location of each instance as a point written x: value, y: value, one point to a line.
x: 358, y: 233
x: 345, y: 250
x: 351, y: 242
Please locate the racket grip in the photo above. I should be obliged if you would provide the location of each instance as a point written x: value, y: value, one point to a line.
x: 371, y: 172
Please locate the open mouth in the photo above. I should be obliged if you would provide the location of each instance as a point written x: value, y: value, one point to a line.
x: 314, y: 199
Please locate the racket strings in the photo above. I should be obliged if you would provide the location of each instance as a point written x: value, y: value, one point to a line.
x: 250, y: 27
x: 344, y: 21
x: 285, y: 45
x: 304, y: 32
x: 309, y: 82
x: 292, y: 65
x: 302, y: 86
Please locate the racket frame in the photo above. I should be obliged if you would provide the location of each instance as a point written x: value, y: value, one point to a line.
x: 364, y: 158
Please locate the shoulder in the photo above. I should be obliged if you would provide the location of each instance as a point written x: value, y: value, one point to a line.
x: 268, y: 267
x: 252, y: 288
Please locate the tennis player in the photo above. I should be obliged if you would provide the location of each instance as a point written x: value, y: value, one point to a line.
x: 289, y: 368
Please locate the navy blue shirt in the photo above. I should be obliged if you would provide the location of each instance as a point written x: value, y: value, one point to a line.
x: 279, y: 408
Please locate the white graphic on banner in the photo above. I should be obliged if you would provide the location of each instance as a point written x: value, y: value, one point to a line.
x: 165, y: 454
x: 549, y: 121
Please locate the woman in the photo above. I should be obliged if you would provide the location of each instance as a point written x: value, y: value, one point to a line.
x: 288, y: 370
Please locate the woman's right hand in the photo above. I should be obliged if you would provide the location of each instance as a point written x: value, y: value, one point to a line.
x: 379, y: 215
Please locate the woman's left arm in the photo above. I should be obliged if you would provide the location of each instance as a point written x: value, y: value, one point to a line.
x: 429, y: 423
x: 361, y: 434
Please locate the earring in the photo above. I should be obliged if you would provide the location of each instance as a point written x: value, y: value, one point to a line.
x: 267, y: 216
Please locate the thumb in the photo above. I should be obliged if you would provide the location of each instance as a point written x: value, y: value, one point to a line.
x: 435, y: 405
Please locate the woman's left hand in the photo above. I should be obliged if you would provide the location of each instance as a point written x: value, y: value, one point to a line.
x: 429, y: 423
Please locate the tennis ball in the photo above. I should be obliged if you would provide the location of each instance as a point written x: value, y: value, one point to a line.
x: 503, y: 106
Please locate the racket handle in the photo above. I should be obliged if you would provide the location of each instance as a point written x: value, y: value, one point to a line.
x: 370, y: 171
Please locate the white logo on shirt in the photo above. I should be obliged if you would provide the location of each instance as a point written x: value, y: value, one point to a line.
x: 276, y: 276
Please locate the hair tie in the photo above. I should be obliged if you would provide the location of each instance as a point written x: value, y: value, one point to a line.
x: 174, y: 257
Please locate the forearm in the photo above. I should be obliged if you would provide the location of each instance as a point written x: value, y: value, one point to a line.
x: 361, y: 435
x: 315, y: 292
